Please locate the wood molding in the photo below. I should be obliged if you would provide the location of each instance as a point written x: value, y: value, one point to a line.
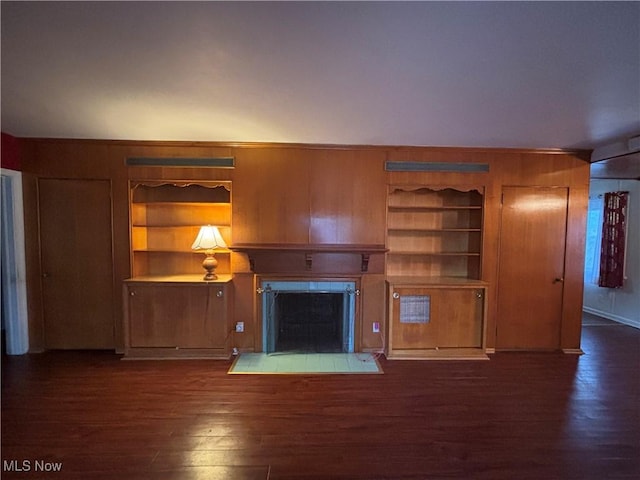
x: 584, y: 154
x: 308, y: 250
x: 573, y: 351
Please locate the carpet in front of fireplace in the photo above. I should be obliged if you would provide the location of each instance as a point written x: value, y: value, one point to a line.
x: 305, y: 363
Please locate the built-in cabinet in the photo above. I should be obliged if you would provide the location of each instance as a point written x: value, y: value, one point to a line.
x: 436, y: 299
x: 170, y: 311
x: 178, y: 316
x: 436, y: 318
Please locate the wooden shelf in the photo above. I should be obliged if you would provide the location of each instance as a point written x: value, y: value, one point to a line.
x: 313, y: 248
x: 184, y: 252
x: 454, y: 254
x: 165, y: 219
x: 308, y: 250
x: 184, y: 204
x: 434, y: 231
x: 413, y: 208
x: 217, y: 224
x: 186, y: 278
x: 432, y: 281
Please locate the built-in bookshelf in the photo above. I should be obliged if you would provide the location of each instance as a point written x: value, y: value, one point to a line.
x: 165, y: 220
x: 434, y: 231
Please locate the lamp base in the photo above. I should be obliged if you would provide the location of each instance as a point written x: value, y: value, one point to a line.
x: 209, y: 264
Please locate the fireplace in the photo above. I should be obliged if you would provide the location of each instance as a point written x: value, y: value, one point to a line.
x: 308, y: 316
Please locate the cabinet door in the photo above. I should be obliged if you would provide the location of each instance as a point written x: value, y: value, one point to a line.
x: 429, y: 318
x: 460, y: 312
x: 414, y: 324
x: 168, y: 316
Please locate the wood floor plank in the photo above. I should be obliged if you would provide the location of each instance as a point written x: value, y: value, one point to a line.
x: 519, y: 415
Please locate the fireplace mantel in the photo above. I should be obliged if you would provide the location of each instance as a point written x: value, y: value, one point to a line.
x: 255, y: 251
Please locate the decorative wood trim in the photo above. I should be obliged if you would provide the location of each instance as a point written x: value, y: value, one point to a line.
x: 413, y: 187
x: 583, y: 154
x: 311, y: 247
x: 180, y: 279
x: 401, y: 281
x: 573, y: 351
x: 439, y: 354
x: 226, y: 184
x: 365, y: 262
x: 211, y: 162
x: 253, y: 250
x: 149, y: 353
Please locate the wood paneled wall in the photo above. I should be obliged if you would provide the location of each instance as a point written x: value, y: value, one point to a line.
x: 309, y: 194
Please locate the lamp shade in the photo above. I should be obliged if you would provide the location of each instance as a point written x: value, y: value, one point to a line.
x: 208, y: 238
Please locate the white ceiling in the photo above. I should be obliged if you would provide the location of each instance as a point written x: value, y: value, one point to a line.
x: 505, y: 74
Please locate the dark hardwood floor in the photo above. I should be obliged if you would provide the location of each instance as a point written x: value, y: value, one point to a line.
x: 517, y: 416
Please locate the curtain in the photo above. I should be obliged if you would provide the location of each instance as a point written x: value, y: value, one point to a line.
x: 594, y: 240
x: 613, y: 240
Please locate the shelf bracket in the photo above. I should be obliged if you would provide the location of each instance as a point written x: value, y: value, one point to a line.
x: 364, y: 266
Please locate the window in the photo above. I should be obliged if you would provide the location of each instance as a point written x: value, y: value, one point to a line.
x: 614, y: 233
x: 594, y: 240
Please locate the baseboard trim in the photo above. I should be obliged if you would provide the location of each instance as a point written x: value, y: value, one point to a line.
x: 611, y: 316
x: 573, y: 351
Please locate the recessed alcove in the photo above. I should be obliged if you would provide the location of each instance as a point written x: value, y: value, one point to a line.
x: 308, y: 316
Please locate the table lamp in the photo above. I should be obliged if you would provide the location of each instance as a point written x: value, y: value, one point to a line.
x: 209, y: 239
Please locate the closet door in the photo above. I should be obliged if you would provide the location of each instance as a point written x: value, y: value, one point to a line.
x: 531, y: 268
x: 76, y: 263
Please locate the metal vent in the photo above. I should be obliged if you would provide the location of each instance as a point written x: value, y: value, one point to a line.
x: 411, y: 166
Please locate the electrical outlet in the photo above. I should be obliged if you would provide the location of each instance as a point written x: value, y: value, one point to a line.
x: 376, y: 327
x: 239, y: 327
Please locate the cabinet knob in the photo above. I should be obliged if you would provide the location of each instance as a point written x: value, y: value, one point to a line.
x: 219, y: 293
x: 558, y: 280
x: 132, y: 293
x: 479, y: 294
x: 396, y: 295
